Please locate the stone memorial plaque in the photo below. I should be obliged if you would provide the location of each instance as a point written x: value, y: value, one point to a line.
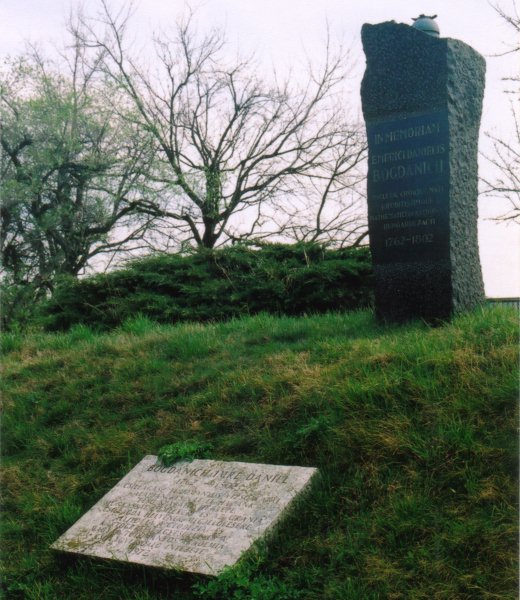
x: 408, y: 179
x: 198, y: 516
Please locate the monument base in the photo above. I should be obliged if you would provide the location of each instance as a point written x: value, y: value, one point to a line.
x: 406, y: 291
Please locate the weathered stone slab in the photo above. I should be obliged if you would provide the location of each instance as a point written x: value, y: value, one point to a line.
x: 422, y: 100
x: 198, y: 516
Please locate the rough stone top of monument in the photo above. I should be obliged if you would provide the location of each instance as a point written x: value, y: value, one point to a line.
x: 416, y: 65
x: 198, y: 516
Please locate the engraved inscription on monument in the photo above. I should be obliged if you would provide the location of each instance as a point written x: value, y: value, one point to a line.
x: 198, y: 516
x: 408, y: 183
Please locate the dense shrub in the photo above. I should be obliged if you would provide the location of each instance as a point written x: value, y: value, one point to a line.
x: 216, y: 285
x: 18, y: 305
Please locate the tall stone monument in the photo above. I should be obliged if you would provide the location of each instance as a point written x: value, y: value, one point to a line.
x: 422, y: 101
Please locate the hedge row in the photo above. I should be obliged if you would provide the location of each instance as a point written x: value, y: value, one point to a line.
x: 217, y: 285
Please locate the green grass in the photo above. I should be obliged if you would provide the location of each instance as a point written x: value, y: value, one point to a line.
x: 413, y: 428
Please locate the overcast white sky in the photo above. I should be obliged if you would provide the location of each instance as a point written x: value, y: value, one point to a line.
x: 285, y: 32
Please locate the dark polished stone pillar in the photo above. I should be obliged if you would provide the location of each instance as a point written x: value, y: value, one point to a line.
x: 422, y: 101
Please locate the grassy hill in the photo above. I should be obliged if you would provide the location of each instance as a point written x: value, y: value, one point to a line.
x: 414, y: 430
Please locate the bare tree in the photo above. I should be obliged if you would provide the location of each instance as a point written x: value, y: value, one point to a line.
x: 506, y: 152
x: 234, y: 150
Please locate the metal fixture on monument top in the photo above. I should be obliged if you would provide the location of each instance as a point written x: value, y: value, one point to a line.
x: 427, y: 25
